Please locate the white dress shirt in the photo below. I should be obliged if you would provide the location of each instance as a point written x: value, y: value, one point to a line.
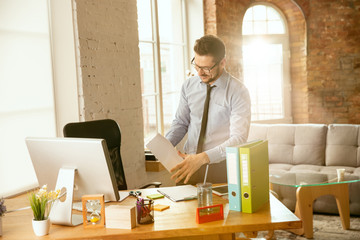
x: 228, y: 117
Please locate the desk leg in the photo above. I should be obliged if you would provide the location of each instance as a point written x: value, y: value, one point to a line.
x: 305, y: 197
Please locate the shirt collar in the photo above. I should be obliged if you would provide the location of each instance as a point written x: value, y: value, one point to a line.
x: 221, y: 81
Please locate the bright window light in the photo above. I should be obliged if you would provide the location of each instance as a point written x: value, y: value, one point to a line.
x: 162, y: 61
x: 261, y: 19
x: 26, y: 91
x: 263, y: 60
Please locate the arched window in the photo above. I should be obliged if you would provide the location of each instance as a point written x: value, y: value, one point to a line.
x: 266, y: 63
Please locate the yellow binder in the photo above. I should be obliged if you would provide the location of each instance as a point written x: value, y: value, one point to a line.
x: 254, y: 165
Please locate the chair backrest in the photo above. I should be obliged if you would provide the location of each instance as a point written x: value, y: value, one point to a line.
x: 106, y: 129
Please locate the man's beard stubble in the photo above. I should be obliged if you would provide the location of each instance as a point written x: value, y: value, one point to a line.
x: 212, y: 78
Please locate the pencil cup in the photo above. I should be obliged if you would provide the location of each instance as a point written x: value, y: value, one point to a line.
x: 204, y: 194
x: 340, y: 174
x: 144, y: 211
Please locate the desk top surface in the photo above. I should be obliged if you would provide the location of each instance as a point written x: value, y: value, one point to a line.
x: 178, y: 220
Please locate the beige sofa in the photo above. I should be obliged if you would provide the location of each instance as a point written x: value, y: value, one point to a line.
x: 313, y: 148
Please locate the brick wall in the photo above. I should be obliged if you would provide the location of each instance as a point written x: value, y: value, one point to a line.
x: 333, y: 61
x: 325, y: 50
x: 109, y: 72
x: 229, y: 25
x: 210, y: 16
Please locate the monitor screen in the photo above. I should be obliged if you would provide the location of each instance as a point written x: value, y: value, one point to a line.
x: 94, y: 172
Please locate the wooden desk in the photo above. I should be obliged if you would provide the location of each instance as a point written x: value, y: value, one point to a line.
x: 178, y: 222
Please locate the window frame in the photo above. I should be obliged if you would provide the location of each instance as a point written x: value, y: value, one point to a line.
x: 156, y: 47
x: 284, y: 40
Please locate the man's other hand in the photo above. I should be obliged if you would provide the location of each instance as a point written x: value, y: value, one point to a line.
x: 189, y: 166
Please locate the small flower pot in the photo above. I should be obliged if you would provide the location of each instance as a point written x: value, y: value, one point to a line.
x: 41, y: 227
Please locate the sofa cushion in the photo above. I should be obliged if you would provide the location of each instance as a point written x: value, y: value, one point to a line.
x: 280, y: 167
x: 310, y: 142
x: 293, y: 143
x: 258, y: 131
x: 306, y: 168
x: 281, y: 143
x: 342, y: 148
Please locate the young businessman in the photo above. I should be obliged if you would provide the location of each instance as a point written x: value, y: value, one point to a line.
x: 228, y: 115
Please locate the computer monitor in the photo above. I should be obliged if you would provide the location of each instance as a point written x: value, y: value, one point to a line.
x: 81, y: 165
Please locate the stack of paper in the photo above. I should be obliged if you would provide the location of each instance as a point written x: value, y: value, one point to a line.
x: 164, y: 151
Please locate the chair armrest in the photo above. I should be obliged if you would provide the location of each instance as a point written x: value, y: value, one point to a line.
x: 156, y: 184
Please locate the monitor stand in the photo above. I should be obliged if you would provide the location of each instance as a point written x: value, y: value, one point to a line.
x: 61, y: 212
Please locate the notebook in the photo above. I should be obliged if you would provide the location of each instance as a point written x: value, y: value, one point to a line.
x: 179, y: 193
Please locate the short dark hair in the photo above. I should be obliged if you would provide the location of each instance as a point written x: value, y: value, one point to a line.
x: 210, y: 45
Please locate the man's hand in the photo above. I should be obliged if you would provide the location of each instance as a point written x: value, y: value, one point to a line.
x: 189, y: 166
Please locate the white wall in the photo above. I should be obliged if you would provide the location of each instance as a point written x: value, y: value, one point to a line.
x: 109, y: 69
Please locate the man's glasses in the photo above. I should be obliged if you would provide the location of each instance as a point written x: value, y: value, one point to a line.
x: 207, y: 70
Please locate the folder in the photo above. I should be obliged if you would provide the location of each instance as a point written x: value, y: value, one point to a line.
x: 254, y: 165
x: 233, y: 174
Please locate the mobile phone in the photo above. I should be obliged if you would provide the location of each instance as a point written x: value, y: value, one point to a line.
x: 220, y: 190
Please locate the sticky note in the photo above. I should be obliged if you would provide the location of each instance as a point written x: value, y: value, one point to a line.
x: 155, y: 196
x: 160, y: 207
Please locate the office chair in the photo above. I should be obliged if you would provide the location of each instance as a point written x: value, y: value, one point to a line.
x: 109, y: 130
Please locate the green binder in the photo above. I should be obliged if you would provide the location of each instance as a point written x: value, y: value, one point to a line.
x: 233, y: 174
x: 254, y: 165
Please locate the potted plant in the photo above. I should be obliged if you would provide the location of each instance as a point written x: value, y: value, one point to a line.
x: 2, y: 212
x: 41, y: 203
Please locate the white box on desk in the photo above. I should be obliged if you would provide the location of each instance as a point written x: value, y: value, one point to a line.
x: 122, y: 217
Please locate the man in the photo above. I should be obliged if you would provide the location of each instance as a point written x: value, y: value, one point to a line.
x: 228, y: 116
